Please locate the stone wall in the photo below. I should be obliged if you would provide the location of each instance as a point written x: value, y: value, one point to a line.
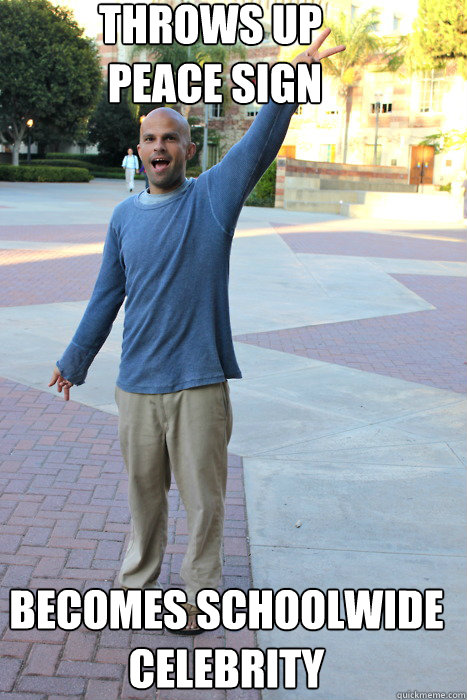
x: 291, y: 171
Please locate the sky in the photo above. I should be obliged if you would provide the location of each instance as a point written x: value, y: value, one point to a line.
x: 85, y: 13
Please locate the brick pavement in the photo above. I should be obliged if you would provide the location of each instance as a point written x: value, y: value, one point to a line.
x: 423, y: 346
x: 77, y: 233
x: 64, y: 525
x: 63, y: 504
x: 50, y: 275
x: 344, y: 238
x: 46, y: 281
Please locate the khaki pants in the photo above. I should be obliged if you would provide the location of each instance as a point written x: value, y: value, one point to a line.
x: 130, y: 178
x: 187, y: 431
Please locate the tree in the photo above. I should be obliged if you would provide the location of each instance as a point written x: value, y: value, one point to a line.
x: 440, y: 35
x: 446, y: 141
x: 114, y: 127
x: 48, y: 71
x: 362, y: 46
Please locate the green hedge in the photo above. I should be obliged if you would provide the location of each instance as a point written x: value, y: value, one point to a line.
x: 264, y: 193
x: 62, y: 163
x: 95, y: 158
x: 119, y: 173
x: 193, y: 171
x: 114, y: 173
x: 33, y: 173
x: 98, y: 164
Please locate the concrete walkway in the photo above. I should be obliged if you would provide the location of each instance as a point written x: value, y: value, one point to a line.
x: 349, y: 435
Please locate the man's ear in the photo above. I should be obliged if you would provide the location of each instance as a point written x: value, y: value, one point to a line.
x: 190, y: 151
x: 139, y: 148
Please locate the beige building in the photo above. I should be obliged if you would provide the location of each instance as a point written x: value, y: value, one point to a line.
x: 412, y: 107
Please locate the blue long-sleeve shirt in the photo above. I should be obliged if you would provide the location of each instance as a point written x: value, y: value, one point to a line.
x: 171, y: 262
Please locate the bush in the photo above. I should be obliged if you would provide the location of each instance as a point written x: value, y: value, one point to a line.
x: 114, y: 173
x: 39, y: 173
x: 99, y: 164
x: 193, y: 171
x: 95, y: 158
x: 23, y: 157
x: 62, y: 163
x: 119, y: 173
x: 264, y: 193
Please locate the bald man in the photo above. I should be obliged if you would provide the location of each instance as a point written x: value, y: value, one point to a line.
x: 167, y: 251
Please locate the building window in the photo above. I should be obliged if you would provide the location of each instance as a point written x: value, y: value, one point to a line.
x: 383, y: 107
x: 396, y: 23
x: 216, y: 111
x: 252, y: 109
x: 353, y: 12
x: 431, y: 91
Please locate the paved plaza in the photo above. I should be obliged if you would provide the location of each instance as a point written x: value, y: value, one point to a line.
x: 347, y: 459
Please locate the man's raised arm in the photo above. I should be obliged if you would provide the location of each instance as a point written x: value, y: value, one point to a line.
x: 240, y: 169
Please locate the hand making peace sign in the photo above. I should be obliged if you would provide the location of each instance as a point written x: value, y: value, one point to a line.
x: 312, y: 53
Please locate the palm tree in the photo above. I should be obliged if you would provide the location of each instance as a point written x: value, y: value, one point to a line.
x: 362, y: 46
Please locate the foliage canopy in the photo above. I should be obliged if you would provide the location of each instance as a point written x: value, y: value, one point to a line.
x: 361, y: 42
x: 440, y: 34
x: 48, y: 71
x: 115, y: 128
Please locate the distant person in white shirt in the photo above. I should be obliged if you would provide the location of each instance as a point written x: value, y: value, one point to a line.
x: 131, y: 165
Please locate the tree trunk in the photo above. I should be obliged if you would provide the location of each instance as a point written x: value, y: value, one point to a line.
x: 18, y: 135
x: 348, y: 109
x: 15, y: 152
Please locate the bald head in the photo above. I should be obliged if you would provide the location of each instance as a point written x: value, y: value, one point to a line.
x: 167, y: 113
x: 165, y: 147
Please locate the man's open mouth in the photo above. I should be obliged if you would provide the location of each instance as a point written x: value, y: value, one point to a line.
x: 159, y: 164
